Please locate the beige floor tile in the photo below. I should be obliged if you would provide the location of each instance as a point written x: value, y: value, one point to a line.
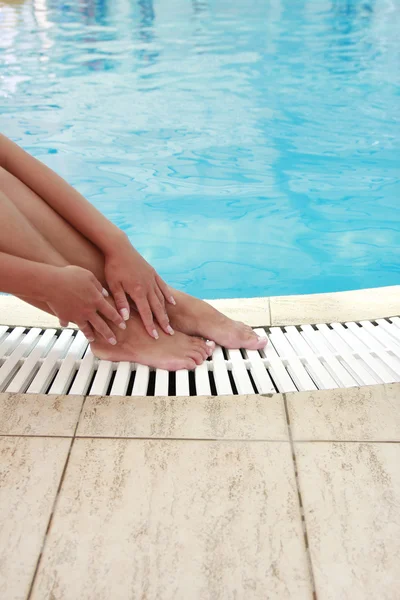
x: 176, y: 520
x: 14, y: 311
x: 253, y: 311
x: 30, y: 473
x: 39, y: 414
x: 355, y: 414
x: 223, y: 417
x: 351, y: 499
x: 341, y: 306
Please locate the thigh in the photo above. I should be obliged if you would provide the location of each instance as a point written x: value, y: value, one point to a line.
x: 72, y: 245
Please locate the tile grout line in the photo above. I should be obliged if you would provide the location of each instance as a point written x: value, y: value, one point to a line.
x: 300, y: 500
x: 53, y: 510
x: 191, y: 439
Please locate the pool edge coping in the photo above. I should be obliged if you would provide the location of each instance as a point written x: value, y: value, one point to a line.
x: 357, y: 305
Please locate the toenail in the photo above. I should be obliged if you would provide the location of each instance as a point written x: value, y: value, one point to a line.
x: 170, y: 330
x: 112, y: 341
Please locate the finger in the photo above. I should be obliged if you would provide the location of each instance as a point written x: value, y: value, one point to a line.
x: 166, y: 292
x: 160, y: 296
x: 160, y: 314
x: 101, y: 289
x: 87, y: 331
x: 103, y: 329
x: 121, y: 301
x: 144, y: 310
x: 110, y: 313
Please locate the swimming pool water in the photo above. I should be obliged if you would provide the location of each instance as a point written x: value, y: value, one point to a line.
x: 247, y: 148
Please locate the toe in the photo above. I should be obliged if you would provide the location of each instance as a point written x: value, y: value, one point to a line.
x: 210, y: 347
x: 190, y: 364
x: 251, y: 340
x: 197, y: 356
x: 201, y: 347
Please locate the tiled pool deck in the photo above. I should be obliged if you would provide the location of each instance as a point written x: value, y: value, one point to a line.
x: 284, y: 496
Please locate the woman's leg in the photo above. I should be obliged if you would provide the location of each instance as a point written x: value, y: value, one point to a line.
x: 191, y: 315
x: 21, y: 238
x: 59, y: 235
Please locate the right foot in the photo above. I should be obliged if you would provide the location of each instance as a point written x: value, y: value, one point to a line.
x: 179, y: 351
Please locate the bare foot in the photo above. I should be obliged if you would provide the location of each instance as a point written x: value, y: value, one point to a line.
x: 196, y: 317
x: 172, y: 353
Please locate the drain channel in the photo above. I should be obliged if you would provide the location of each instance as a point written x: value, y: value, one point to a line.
x: 302, y: 358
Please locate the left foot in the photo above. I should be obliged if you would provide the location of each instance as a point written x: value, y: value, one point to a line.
x: 195, y: 317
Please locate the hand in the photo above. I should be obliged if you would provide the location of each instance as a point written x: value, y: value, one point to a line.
x: 128, y: 273
x: 76, y: 295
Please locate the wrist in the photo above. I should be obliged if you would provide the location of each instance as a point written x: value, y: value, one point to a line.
x: 113, y: 241
x: 49, y: 281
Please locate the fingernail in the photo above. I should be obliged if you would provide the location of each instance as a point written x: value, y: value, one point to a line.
x: 125, y: 314
x: 105, y: 293
x: 172, y: 300
x: 112, y: 341
x: 90, y: 339
x: 155, y: 334
x: 122, y: 325
x: 209, y: 343
x: 170, y: 330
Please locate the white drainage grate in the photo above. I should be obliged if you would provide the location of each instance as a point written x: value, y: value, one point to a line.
x: 296, y: 358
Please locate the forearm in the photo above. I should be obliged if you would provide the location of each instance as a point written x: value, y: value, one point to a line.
x: 63, y: 198
x: 23, y: 277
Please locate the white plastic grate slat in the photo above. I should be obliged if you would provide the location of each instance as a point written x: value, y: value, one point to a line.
x: 220, y: 372
x: 376, y: 364
x: 102, y: 378
x: 259, y: 373
x: 298, y: 373
x: 395, y: 331
x: 360, y: 374
x: 182, y: 383
x: 162, y: 380
x: 318, y: 372
x: 10, y: 366
x: 388, y: 332
x: 296, y: 358
x: 276, y: 367
x: 67, y: 370
x: 202, y: 381
x: 84, y: 374
x: 49, y: 366
x: 3, y: 332
x: 374, y: 340
x: 31, y: 364
x: 239, y: 372
x: 121, y: 381
x: 141, y: 382
x: 10, y: 341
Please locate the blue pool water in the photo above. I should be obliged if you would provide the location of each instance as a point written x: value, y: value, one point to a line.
x: 247, y: 148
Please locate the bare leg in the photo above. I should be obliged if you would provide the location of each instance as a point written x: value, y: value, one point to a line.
x: 196, y: 317
x: 191, y: 315
x: 22, y: 238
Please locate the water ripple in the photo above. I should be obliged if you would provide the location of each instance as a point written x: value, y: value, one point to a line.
x: 246, y: 148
